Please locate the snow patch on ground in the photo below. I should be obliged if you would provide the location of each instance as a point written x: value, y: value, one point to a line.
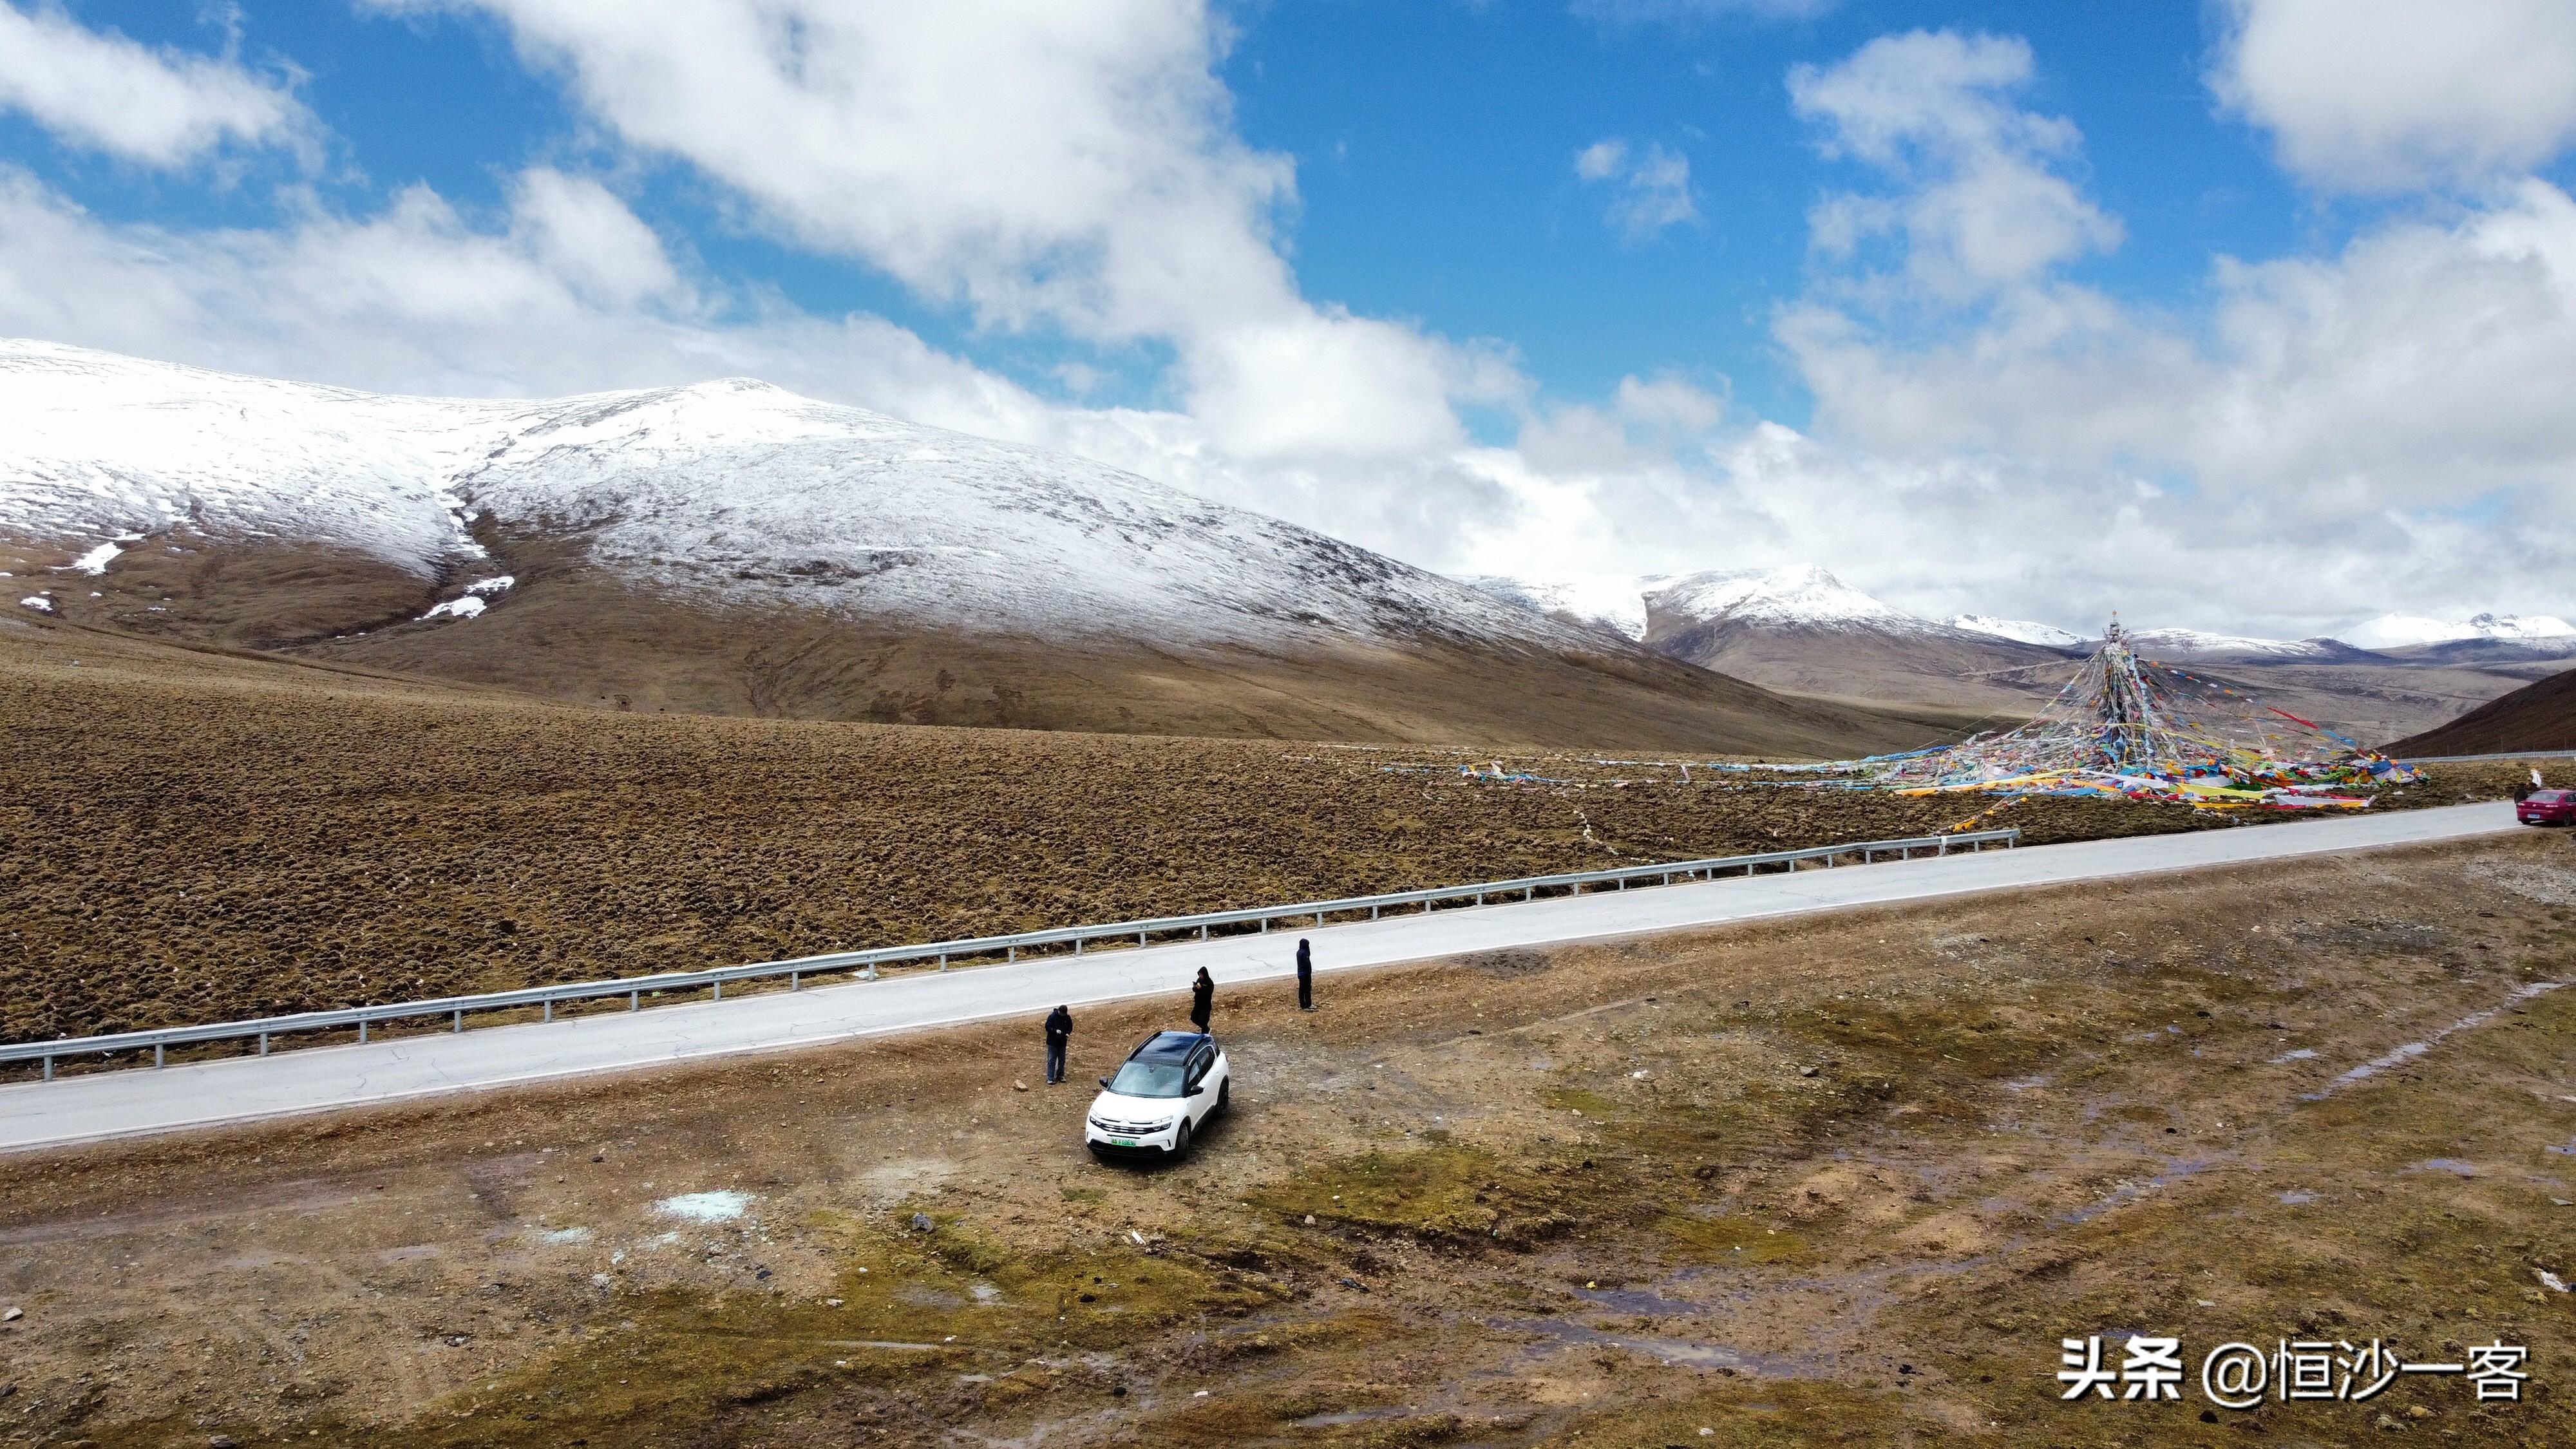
x: 95, y: 561
x: 38, y: 602
x: 720, y: 1206
x: 467, y: 607
x: 489, y: 587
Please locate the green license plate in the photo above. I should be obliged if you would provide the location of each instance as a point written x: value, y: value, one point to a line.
x: 1122, y: 1141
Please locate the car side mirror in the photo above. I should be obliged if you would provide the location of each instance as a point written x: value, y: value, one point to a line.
x: 1104, y: 1081
x: 1197, y: 1091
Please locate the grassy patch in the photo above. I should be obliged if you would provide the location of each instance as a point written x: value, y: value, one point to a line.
x: 1750, y: 1415
x: 914, y: 1306
x: 1444, y: 1191
x: 1720, y: 1239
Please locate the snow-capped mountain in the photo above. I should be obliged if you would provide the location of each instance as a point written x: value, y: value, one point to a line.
x: 1795, y: 595
x: 2394, y: 631
x: 2194, y: 642
x: 1800, y: 628
x: 2021, y: 630
x: 732, y: 489
x: 729, y: 547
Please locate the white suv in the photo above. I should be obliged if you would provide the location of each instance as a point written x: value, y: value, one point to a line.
x: 1162, y: 1096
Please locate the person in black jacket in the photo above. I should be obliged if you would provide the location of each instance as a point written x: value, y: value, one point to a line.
x: 1305, y: 976
x: 1059, y: 1031
x: 1202, y: 999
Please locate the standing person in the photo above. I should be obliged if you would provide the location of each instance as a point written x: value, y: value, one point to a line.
x: 1305, y: 976
x: 1059, y: 1031
x: 1202, y: 999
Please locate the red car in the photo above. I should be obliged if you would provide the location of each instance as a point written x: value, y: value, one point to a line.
x: 2547, y: 807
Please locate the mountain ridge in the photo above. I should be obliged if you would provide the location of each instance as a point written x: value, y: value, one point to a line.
x: 1800, y: 629
x: 729, y: 547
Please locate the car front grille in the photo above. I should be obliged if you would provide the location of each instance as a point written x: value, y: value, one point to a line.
x: 1129, y: 1129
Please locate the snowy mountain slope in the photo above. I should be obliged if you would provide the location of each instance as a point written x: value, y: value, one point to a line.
x: 1616, y: 602
x: 731, y: 548
x: 2188, y: 643
x: 1795, y: 595
x: 732, y: 489
x: 94, y: 446
x: 2022, y: 631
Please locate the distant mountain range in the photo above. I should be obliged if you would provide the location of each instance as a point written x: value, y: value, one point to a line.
x: 729, y: 547
x: 2396, y: 631
x: 1800, y: 629
x: 732, y: 548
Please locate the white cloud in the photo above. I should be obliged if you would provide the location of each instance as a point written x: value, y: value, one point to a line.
x: 1980, y: 205
x: 2331, y: 437
x: 589, y: 237
x: 1049, y: 167
x: 104, y: 92
x: 420, y: 298
x: 1649, y: 189
x: 569, y: 292
x: 2376, y: 95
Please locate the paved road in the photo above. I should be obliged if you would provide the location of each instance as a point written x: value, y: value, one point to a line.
x: 144, y: 1100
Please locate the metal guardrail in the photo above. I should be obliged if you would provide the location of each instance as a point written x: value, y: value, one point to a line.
x: 2480, y: 759
x: 865, y: 963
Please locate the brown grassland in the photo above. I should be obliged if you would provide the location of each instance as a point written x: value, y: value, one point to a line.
x: 191, y: 836
x: 1835, y: 1180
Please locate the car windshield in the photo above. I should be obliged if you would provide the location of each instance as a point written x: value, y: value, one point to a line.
x: 1148, y: 1079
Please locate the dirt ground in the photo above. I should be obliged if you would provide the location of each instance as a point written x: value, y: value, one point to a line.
x: 189, y: 837
x: 1847, y: 1179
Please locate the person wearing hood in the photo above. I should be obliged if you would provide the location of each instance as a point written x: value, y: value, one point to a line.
x: 1305, y: 976
x: 1059, y: 1032
x: 1202, y: 999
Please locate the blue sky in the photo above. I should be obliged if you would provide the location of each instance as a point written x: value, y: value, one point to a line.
x: 1434, y: 149
x: 1519, y: 287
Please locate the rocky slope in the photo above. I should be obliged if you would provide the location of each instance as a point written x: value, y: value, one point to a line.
x: 2538, y: 716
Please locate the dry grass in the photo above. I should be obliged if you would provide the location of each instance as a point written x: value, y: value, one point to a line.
x: 1592, y: 1196
x: 190, y: 838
